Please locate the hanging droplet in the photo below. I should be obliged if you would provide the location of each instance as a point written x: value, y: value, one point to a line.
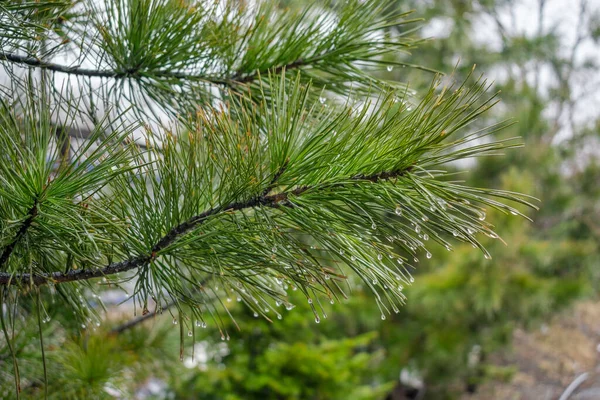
x: 425, y: 236
x: 373, y: 226
x: 411, y: 279
x: 487, y: 256
x: 382, y: 317
x: 341, y: 252
x: 239, y: 299
x: 222, y: 337
x: 513, y: 212
x: 400, y: 288
x: 379, y: 256
x: 327, y: 277
x: 400, y: 261
x: 390, y: 68
x: 255, y: 315
x: 428, y: 255
x: 448, y: 247
x: 309, y: 300
x: 470, y: 231
x: 289, y: 306
x: 190, y: 333
x: 482, y: 216
x: 331, y: 301
x: 417, y: 228
x: 374, y: 281
x: 425, y: 218
x: 415, y: 259
x: 455, y: 233
x: 493, y: 235
x: 353, y: 258
x: 322, y: 100
x: 228, y: 300
x: 398, y: 211
x: 174, y: 321
x: 317, y: 319
x: 279, y: 316
x: 274, y: 249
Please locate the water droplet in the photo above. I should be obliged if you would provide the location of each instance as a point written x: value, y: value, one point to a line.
x: 310, y: 301
x: 455, y: 233
x: 274, y: 249
x: 279, y: 316
x: 390, y: 68
x: 487, y: 256
x: 98, y: 323
x: 493, y: 235
x: 317, y: 319
x: 448, y: 248
x: 373, y: 226
x: 470, y: 231
x: 341, y: 252
x: 255, y: 315
x: 313, y: 247
x: 190, y: 333
x: 322, y: 100
x: 425, y: 236
x: 400, y: 288
x: 222, y: 337
x: 425, y: 218
x: 482, y: 216
x: 374, y: 281
x: 382, y: 316
x: 174, y: 321
x: 398, y: 210
x: 380, y: 257
x: 239, y: 299
x: 289, y: 306
x: 228, y: 300
x: 400, y: 261
x: 513, y: 212
x: 353, y: 258
x: 417, y: 229
x: 428, y: 255
x: 412, y: 279
x: 331, y: 301
x: 415, y: 259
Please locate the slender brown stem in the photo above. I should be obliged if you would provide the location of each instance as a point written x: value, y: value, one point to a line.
x: 31, y: 214
x: 274, y: 200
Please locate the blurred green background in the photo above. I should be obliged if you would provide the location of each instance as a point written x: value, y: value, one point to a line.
x: 459, y: 332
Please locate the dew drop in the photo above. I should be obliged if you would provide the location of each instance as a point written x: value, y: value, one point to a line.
x: 380, y: 257
x: 327, y: 277
x: 400, y: 261
x: 174, y: 321
x: 228, y: 300
x: 255, y: 315
x: 398, y: 210
x: 322, y: 100
x: 353, y: 258
x: 274, y: 249
x: 374, y: 281
x: 341, y: 252
x: 331, y: 301
x: 279, y: 316
x: 493, y: 235
x: 390, y: 68
x: 513, y: 212
x: 382, y: 317
x: 310, y: 301
x: 222, y: 337
x: 428, y: 255
x: 470, y: 231
x: 425, y: 218
x: 425, y: 236
x: 289, y: 306
x: 417, y: 229
x: 482, y: 216
x: 400, y: 288
x: 412, y: 279
x: 373, y: 226
x: 190, y: 333
x: 317, y: 319
x: 487, y: 256
x: 455, y: 233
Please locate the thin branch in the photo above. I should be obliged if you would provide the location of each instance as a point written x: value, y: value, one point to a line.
x: 138, y: 320
x: 132, y: 73
x: 274, y: 200
x: 31, y: 214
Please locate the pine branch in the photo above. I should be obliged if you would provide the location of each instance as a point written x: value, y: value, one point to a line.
x: 31, y: 214
x: 274, y: 200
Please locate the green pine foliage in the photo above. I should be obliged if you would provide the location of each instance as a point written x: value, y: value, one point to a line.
x: 235, y: 152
